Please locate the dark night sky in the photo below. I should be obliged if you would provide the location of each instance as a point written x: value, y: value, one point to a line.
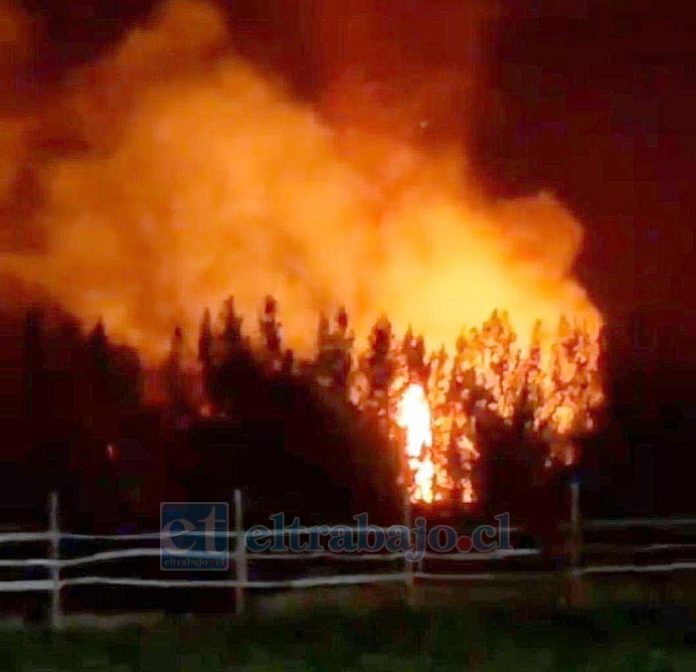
x: 603, y: 109
x: 593, y: 102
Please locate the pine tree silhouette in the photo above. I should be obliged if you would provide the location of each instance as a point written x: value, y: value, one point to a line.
x: 232, y: 339
x: 414, y: 353
x: 205, y: 353
x: 174, y: 379
x: 333, y: 363
x: 98, y: 347
x: 234, y: 373
x: 269, y: 326
x: 205, y: 341
x: 437, y: 389
x: 380, y: 364
x: 343, y: 361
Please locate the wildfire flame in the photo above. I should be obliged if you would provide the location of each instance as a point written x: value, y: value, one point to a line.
x: 413, y: 415
x: 550, y: 391
x: 170, y: 173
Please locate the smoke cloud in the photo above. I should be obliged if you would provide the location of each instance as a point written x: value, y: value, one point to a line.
x: 172, y: 173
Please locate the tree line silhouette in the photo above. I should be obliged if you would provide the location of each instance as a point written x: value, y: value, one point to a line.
x: 548, y: 395
x: 498, y: 410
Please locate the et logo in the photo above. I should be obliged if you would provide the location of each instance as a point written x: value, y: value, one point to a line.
x: 193, y: 535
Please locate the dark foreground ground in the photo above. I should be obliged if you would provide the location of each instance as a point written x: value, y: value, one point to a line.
x: 396, y: 638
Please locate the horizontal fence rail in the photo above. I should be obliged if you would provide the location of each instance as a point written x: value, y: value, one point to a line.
x: 55, y: 565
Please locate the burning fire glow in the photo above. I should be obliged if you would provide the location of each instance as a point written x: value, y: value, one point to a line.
x: 413, y: 415
x: 544, y: 393
x: 171, y: 173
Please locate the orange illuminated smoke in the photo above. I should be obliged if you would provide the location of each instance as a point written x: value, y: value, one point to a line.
x: 200, y: 177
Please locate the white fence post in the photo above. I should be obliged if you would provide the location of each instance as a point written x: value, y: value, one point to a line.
x: 56, y: 615
x: 240, y: 553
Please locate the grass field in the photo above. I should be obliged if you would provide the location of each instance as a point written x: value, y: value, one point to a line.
x: 397, y: 638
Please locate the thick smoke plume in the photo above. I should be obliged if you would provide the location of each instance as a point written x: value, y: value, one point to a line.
x: 172, y: 173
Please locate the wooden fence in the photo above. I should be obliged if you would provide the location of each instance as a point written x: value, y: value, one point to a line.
x: 408, y: 573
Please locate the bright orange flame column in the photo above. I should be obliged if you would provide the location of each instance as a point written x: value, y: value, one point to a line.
x: 413, y: 415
